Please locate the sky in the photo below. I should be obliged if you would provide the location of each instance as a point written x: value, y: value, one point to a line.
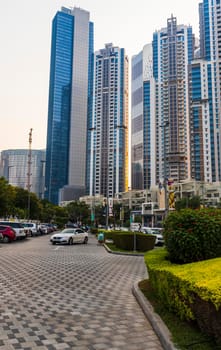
x: 25, y: 37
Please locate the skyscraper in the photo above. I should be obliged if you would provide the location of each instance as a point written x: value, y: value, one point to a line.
x: 143, y: 143
x: 205, y: 82
x: 173, y: 49
x: 14, y: 164
x: 109, y: 126
x: 160, y: 107
x: 70, y: 104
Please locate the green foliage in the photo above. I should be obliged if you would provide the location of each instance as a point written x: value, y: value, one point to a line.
x: 193, y: 235
x: 78, y: 212
x: 183, y: 333
x: 129, y: 241
x: 94, y: 230
x: 193, y: 203
x: 191, y: 291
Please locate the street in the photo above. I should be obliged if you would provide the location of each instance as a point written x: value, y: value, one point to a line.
x: 70, y: 297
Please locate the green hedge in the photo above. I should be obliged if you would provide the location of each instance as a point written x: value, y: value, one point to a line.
x: 130, y: 241
x: 193, y: 235
x: 192, y: 291
x: 125, y: 240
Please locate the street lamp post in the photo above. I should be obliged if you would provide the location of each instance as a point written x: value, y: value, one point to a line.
x: 164, y: 126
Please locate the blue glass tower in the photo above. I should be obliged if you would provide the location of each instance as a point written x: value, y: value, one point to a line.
x: 70, y: 101
x: 205, y: 95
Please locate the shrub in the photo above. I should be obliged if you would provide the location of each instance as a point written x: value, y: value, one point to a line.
x: 93, y: 230
x: 193, y: 235
x: 191, y: 291
x: 126, y: 241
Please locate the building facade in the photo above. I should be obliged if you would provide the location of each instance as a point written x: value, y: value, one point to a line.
x: 108, y: 130
x: 173, y: 51
x: 15, y: 166
x: 70, y: 104
x: 205, y: 82
x: 160, y: 135
x: 143, y: 142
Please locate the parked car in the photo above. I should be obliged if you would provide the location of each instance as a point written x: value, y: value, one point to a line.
x: 156, y: 231
x: 31, y: 228
x: 70, y: 236
x: 7, y: 233
x: 17, y: 227
x: 43, y: 229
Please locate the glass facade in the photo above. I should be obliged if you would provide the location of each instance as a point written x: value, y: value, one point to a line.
x: 15, y: 165
x: 65, y: 29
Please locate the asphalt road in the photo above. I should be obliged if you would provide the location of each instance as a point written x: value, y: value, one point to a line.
x: 70, y: 297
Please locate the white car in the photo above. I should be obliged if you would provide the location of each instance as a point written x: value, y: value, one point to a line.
x: 156, y: 231
x: 70, y: 236
x: 31, y: 227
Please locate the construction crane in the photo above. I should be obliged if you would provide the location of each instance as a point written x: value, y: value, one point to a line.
x: 29, y: 171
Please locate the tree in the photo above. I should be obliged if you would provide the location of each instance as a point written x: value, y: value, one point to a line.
x: 7, y: 195
x: 78, y: 212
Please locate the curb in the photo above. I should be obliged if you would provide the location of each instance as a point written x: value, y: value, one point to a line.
x: 121, y: 253
x: 156, y: 322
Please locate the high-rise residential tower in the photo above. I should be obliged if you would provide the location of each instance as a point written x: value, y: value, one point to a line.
x: 173, y: 49
x: 143, y: 142
x: 160, y: 108
x: 205, y: 82
x: 109, y: 127
x: 70, y: 104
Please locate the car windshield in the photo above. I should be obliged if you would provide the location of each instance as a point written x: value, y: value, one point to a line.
x: 68, y: 231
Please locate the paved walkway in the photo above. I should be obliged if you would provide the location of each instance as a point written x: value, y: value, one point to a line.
x: 70, y: 297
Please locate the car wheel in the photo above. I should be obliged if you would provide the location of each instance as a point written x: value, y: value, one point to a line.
x: 85, y: 240
x: 6, y: 239
x: 70, y: 241
x: 53, y: 243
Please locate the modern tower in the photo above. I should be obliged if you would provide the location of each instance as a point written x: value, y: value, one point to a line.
x: 205, y: 82
x: 173, y: 49
x: 143, y: 110
x: 109, y: 125
x: 70, y: 104
x: 15, y: 164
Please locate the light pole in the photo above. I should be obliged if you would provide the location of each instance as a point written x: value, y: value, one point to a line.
x: 164, y: 126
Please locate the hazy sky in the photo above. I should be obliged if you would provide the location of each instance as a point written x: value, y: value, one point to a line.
x: 25, y: 37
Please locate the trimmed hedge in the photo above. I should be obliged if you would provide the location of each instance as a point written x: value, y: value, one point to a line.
x: 125, y: 240
x: 193, y: 235
x: 192, y: 291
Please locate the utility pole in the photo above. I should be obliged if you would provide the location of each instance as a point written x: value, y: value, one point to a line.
x: 29, y: 171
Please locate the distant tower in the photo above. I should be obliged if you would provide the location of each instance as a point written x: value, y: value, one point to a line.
x: 70, y: 104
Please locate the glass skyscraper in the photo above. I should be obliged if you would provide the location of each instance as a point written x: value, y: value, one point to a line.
x: 205, y: 78
x: 70, y: 104
x: 143, y: 143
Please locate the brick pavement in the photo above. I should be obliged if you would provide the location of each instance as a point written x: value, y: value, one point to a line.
x: 70, y: 297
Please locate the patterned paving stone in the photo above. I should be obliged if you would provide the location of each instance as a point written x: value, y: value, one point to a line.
x: 70, y: 297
